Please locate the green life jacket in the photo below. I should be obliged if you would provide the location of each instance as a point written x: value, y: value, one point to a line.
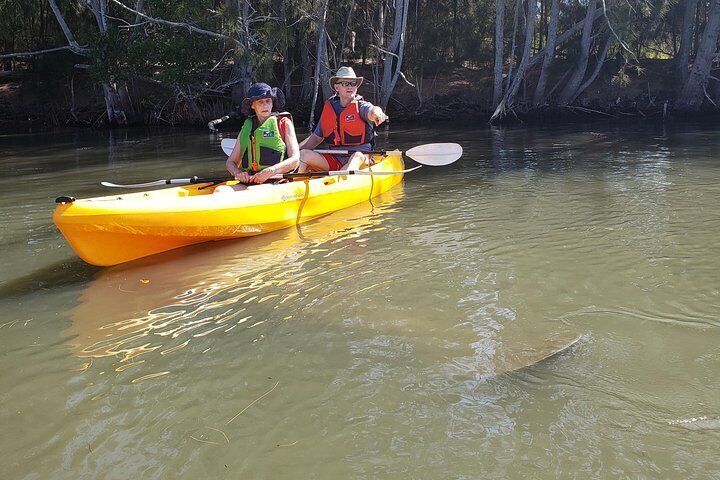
x: 263, y: 146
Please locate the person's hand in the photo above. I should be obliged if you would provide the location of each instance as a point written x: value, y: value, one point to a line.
x: 380, y: 117
x: 263, y: 175
x: 242, y: 176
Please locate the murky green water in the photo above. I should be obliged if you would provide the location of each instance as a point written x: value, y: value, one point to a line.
x: 372, y: 343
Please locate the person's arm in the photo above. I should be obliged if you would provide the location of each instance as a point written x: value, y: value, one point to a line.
x: 311, y: 142
x: 232, y: 165
x: 293, y: 156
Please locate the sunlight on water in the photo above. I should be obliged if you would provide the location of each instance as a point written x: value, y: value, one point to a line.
x: 162, y: 303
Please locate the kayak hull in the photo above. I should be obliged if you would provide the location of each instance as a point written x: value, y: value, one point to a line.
x: 115, y: 229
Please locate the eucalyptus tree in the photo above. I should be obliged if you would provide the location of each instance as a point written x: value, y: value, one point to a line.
x: 395, y: 52
x: 114, y: 93
x: 321, y: 77
x: 552, y: 30
x: 518, y: 77
x: 686, y: 40
x: 693, y: 91
x: 570, y: 91
x: 499, y: 52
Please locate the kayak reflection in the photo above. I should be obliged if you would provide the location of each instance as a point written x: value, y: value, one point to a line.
x: 161, y: 303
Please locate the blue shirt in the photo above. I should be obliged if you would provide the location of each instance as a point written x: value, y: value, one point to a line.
x: 364, y: 108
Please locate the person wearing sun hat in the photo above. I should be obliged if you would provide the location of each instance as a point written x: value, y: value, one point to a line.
x: 346, y: 121
x: 267, y: 143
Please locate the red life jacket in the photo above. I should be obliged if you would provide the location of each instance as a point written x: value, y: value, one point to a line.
x: 348, y: 129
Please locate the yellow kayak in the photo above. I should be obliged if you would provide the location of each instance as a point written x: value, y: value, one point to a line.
x: 118, y: 228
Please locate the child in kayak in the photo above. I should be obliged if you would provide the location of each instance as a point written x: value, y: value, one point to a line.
x: 346, y: 121
x: 267, y: 144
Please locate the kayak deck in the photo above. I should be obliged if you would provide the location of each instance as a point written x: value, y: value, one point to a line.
x: 114, y: 229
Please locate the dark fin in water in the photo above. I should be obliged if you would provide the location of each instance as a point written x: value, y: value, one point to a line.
x: 527, y: 356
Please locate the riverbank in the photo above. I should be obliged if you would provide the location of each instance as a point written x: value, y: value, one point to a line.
x: 41, y: 101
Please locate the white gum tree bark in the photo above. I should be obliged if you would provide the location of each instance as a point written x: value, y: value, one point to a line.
x: 570, y: 91
x: 509, y: 98
x: 392, y: 67
x: 321, y: 56
x: 499, y: 52
x: 550, y: 55
x: 686, y: 40
x: 693, y: 93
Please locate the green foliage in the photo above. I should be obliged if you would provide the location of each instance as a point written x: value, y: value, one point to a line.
x: 441, y: 35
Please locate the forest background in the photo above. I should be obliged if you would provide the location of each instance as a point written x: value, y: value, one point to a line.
x: 120, y: 62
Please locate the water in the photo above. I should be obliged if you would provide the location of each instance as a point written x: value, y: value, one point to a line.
x: 375, y: 343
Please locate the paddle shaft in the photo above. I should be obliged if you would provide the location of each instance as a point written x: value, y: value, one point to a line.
x: 279, y: 176
x: 286, y: 176
x: 290, y: 176
x: 350, y: 151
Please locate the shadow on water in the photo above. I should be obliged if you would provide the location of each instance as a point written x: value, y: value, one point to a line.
x: 58, y: 275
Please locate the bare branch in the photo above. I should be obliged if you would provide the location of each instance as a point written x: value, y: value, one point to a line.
x: 187, y: 26
x: 402, y: 75
x: 266, y: 18
x: 600, y: 61
x: 387, y: 52
x: 39, y: 52
x: 622, y: 44
x: 74, y: 46
x: 708, y: 97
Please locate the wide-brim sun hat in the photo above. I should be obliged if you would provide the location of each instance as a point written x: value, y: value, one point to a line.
x: 345, y: 73
x: 262, y: 90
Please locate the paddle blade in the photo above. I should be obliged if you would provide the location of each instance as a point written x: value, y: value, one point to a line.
x: 227, y: 145
x: 435, y: 154
x: 157, y: 183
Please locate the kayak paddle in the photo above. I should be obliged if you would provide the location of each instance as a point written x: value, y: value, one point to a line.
x: 431, y: 154
x: 194, y: 180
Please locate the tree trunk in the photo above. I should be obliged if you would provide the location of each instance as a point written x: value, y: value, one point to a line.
x: 279, y: 9
x: 570, y: 91
x: 307, y: 70
x: 379, y: 51
x: 693, y: 90
x: 511, y: 60
x: 454, y: 33
x: 287, y: 56
x: 509, y: 98
x: 243, y: 69
x: 567, y: 35
x: 499, y: 50
x: 598, y: 67
x: 686, y: 38
x: 550, y: 55
x: 346, y: 30
x: 394, y: 56
x: 139, y: 5
x: 321, y: 57
x: 115, y: 99
x: 114, y: 103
